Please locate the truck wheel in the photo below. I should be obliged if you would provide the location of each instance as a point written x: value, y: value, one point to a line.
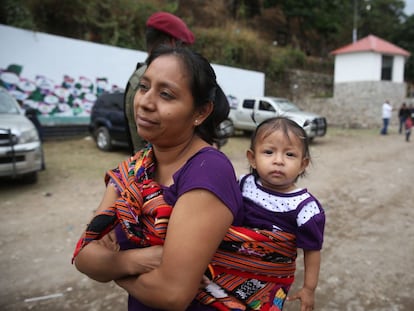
x: 103, y: 139
x: 226, y: 128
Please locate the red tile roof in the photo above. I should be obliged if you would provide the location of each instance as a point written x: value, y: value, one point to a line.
x: 374, y: 44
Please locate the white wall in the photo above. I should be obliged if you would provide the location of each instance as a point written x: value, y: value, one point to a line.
x: 240, y: 83
x: 365, y: 66
x: 398, y: 69
x: 357, y: 67
x: 53, y: 57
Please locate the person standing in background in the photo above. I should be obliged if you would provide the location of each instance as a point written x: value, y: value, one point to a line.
x: 386, y: 116
x: 162, y: 28
x: 403, y: 113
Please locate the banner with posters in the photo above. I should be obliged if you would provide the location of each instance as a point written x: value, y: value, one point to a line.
x: 61, y: 77
x: 71, y: 98
x: 67, y: 101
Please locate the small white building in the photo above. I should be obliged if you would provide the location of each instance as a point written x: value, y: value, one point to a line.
x: 370, y: 67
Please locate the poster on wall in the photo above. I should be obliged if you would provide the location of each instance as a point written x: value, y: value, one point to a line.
x: 70, y: 97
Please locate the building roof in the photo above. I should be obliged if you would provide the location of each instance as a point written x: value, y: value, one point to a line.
x: 373, y: 44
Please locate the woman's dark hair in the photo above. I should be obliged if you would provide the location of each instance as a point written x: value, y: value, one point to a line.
x: 287, y: 126
x: 203, y: 86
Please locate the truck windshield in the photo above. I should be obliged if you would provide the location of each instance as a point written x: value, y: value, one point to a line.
x: 7, y: 104
x: 286, y: 105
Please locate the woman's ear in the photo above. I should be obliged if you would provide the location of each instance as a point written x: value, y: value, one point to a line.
x: 203, y: 113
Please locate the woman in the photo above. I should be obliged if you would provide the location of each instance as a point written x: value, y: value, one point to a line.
x: 177, y: 109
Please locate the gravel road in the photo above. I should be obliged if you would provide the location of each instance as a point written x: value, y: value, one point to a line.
x: 363, y: 180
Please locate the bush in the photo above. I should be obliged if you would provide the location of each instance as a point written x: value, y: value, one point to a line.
x: 283, y: 59
x: 232, y: 47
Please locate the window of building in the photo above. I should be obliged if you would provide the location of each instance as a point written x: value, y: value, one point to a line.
x: 386, y: 68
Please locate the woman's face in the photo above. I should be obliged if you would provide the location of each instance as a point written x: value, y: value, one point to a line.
x: 163, y: 105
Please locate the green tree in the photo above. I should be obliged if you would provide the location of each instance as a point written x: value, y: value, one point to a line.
x: 119, y: 22
x: 314, y: 25
x: 380, y: 17
x: 16, y: 13
x: 244, y: 8
x: 404, y: 38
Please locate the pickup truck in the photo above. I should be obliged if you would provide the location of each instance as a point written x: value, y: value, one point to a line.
x: 250, y: 112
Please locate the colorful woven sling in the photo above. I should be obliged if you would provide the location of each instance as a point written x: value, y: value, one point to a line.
x: 252, y: 269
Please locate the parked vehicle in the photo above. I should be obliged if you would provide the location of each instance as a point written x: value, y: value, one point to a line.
x: 108, y: 124
x: 109, y: 128
x: 250, y: 112
x: 21, y: 152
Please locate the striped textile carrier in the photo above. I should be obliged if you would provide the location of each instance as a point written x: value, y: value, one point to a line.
x: 252, y: 269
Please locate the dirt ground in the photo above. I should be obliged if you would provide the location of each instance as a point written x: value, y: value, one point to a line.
x: 363, y: 180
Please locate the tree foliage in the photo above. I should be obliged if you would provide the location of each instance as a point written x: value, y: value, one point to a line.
x: 382, y: 17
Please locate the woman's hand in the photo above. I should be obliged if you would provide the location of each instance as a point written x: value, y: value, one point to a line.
x: 143, y: 260
x: 103, y: 264
x: 109, y: 241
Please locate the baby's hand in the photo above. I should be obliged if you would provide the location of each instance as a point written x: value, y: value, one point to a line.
x: 307, y: 298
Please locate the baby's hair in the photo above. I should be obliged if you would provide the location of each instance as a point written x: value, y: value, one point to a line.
x: 287, y: 126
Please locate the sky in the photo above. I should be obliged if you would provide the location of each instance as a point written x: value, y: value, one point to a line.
x: 409, y: 7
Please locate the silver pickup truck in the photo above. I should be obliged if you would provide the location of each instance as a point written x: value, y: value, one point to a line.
x: 250, y: 112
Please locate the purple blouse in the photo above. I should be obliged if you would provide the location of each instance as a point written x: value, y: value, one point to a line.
x: 297, y: 212
x: 208, y: 169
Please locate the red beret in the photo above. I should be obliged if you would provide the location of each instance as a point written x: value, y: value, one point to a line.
x: 172, y: 25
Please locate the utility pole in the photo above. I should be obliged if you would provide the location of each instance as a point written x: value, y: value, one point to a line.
x: 354, y: 30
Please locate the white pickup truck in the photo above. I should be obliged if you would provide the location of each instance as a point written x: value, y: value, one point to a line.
x: 250, y: 112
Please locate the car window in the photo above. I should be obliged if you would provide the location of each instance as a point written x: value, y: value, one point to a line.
x: 264, y: 105
x: 111, y: 101
x: 7, y: 104
x: 248, y: 103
